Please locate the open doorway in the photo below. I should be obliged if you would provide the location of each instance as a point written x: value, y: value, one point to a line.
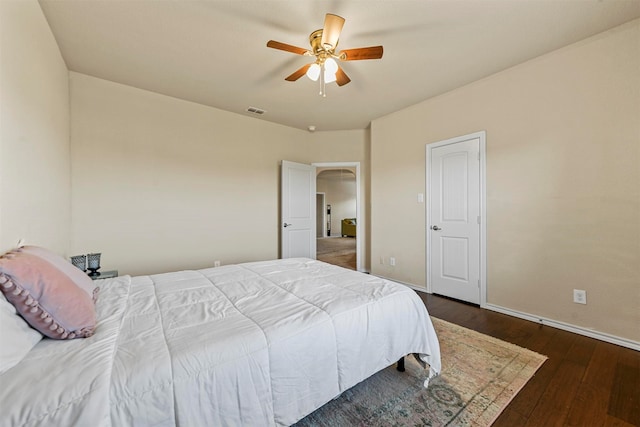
x: 337, y: 202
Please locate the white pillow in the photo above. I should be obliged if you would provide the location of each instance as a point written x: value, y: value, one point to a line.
x: 17, y: 338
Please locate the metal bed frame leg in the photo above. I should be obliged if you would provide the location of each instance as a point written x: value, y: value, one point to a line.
x: 400, y: 366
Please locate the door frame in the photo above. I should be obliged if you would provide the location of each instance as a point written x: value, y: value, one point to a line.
x: 482, y: 136
x: 359, y: 228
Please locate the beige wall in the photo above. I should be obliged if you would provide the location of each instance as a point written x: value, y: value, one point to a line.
x: 34, y: 131
x: 563, y: 182
x: 161, y: 184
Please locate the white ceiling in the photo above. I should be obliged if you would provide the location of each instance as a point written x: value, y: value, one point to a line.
x: 214, y: 52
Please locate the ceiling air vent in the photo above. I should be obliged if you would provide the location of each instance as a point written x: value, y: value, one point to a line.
x: 255, y: 110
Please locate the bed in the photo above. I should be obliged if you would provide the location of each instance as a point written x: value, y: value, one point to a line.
x: 254, y: 344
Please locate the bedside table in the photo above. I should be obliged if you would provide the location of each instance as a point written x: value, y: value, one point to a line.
x: 105, y: 275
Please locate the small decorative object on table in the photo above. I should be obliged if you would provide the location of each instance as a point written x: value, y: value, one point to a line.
x: 105, y: 275
x: 93, y: 263
x: 79, y: 261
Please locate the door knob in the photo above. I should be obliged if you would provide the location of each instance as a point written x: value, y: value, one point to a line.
x: 287, y: 225
x: 435, y: 228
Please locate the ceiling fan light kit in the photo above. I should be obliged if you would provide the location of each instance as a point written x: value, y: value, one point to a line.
x: 323, y: 47
x: 314, y: 72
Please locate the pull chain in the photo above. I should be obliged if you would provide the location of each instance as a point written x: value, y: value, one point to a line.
x: 323, y: 89
x: 324, y: 83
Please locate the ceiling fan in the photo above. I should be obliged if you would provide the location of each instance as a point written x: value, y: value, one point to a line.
x: 323, y: 47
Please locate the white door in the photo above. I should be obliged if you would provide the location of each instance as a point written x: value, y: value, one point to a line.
x: 298, y: 222
x: 453, y: 235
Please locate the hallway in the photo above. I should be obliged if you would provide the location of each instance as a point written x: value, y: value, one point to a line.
x: 339, y: 251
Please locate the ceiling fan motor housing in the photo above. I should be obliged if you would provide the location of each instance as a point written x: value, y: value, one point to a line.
x: 320, y: 51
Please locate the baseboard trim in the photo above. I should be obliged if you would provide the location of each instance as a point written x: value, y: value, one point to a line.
x: 623, y: 342
x: 612, y: 339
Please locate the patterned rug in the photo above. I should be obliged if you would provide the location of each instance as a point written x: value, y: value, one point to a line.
x: 480, y: 376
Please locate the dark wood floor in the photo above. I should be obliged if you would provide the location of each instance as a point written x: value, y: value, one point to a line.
x: 585, y: 382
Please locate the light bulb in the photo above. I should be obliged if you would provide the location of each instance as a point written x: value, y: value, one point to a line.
x: 313, y: 72
x: 331, y: 65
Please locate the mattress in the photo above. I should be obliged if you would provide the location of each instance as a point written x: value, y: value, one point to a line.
x: 254, y: 344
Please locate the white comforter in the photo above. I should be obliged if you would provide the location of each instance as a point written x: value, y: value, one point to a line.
x: 254, y: 344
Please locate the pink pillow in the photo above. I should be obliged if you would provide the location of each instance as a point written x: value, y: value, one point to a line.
x: 79, y: 277
x: 46, y: 297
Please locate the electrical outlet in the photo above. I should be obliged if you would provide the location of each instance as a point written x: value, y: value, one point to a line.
x: 392, y: 261
x: 579, y: 296
x: 216, y: 263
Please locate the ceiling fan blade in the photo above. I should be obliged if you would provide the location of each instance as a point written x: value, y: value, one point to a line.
x: 331, y: 32
x: 373, y: 52
x: 298, y: 73
x: 341, y: 77
x: 287, y: 47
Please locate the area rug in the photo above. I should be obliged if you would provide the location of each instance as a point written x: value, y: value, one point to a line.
x: 480, y: 376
